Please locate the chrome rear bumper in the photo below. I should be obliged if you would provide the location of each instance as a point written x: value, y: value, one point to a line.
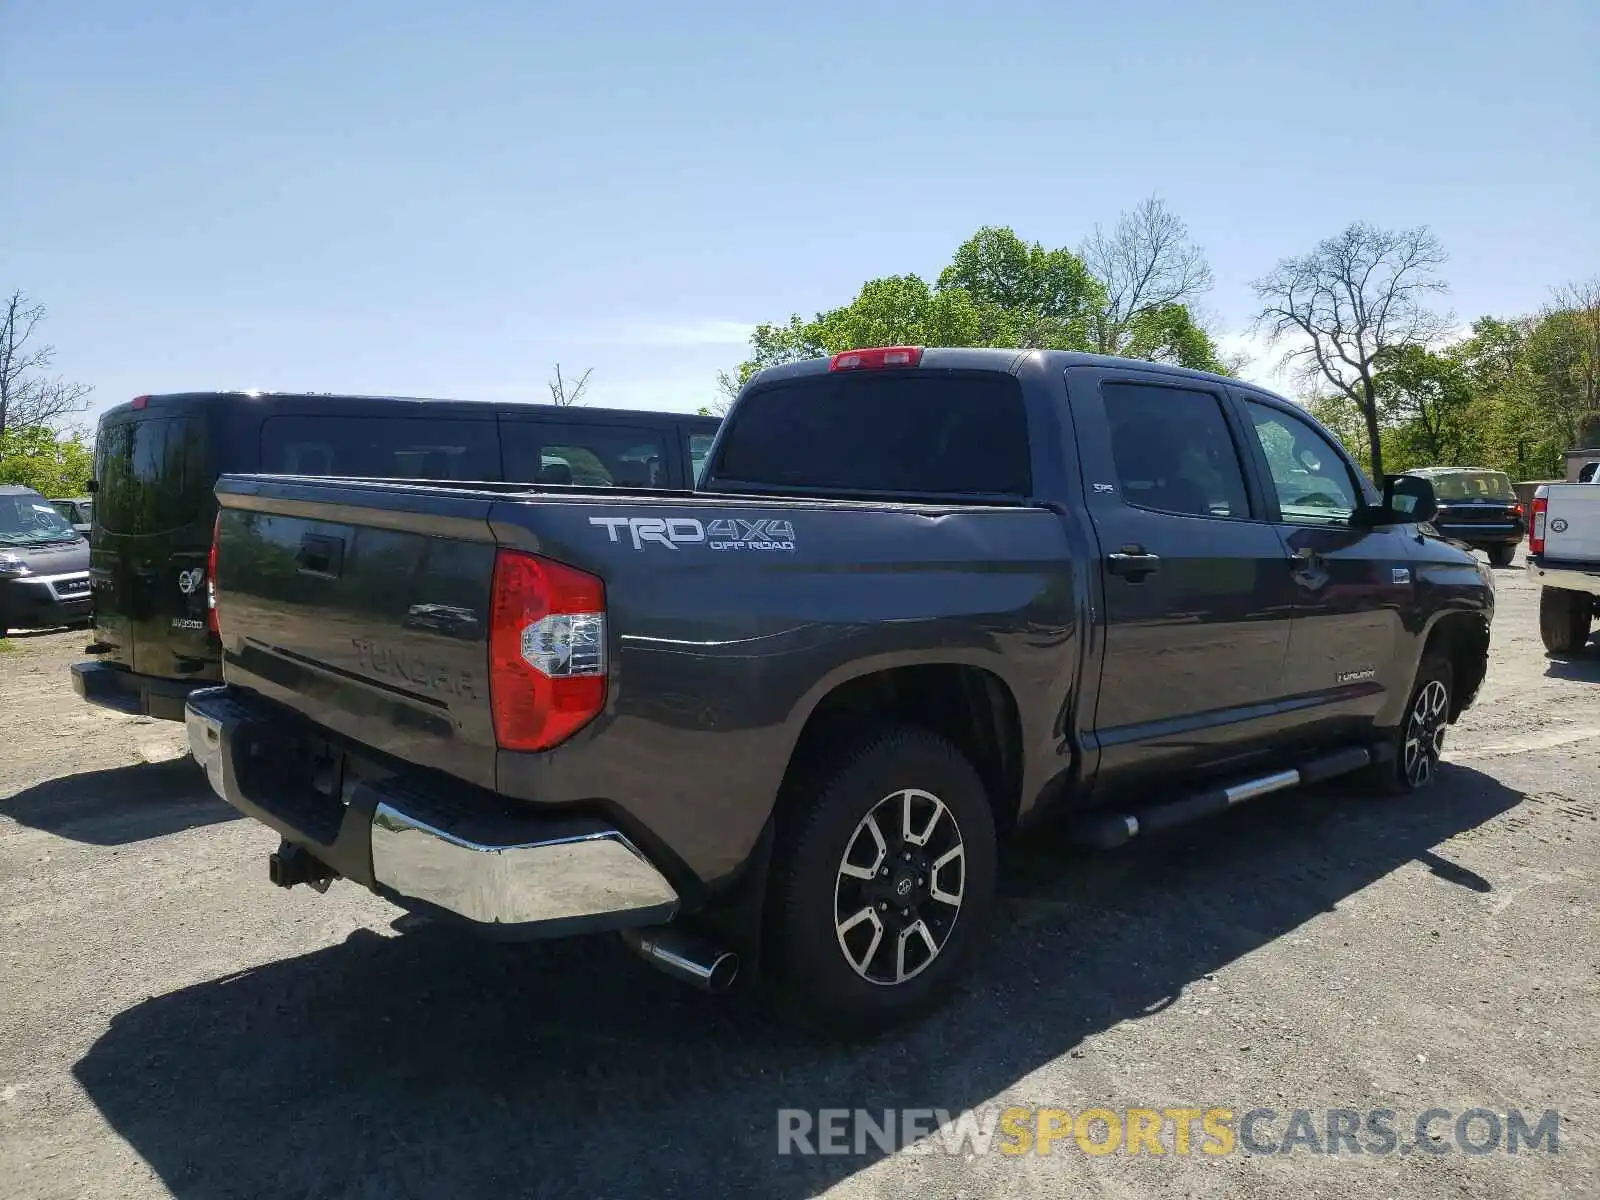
x: 560, y: 879
x: 526, y: 875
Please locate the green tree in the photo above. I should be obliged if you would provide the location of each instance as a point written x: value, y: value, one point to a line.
x: 1343, y: 418
x: 999, y: 290
x: 1425, y: 398
x: 1149, y: 274
x: 1588, y: 432
x: 51, y: 464
x: 1563, y: 356
x: 1024, y: 295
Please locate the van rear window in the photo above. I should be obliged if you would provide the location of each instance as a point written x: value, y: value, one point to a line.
x: 583, y: 455
x: 386, y: 448
x: 154, y: 474
x: 917, y: 432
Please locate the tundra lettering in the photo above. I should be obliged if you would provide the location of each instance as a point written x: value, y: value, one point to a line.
x: 397, y: 664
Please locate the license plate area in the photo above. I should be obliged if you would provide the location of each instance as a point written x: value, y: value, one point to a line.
x: 299, y: 778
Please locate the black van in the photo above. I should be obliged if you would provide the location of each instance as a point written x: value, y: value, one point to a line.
x: 157, y: 459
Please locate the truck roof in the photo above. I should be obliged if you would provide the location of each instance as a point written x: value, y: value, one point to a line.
x: 976, y: 358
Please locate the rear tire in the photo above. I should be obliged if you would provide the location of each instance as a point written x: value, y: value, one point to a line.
x: 1501, y: 556
x: 1418, y: 741
x: 883, y: 881
x: 1564, y: 619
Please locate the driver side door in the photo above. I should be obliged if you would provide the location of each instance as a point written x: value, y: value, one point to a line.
x: 1351, y: 587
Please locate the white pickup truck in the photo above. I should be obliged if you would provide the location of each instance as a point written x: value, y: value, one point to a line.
x: 1564, y: 559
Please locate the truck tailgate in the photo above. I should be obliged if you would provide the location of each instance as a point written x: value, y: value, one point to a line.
x: 364, y: 608
x: 1572, y: 523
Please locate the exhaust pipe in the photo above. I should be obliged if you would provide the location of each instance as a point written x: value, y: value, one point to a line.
x: 685, y: 956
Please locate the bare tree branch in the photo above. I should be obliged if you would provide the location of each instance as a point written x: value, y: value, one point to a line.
x: 28, y: 397
x: 564, y: 393
x: 1145, y: 263
x: 1355, y: 297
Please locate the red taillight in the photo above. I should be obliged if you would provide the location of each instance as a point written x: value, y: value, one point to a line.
x: 140, y: 401
x: 211, y: 577
x: 876, y: 357
x: 1541, y: 505
x: 547, y: 651
x: 1516, y: 510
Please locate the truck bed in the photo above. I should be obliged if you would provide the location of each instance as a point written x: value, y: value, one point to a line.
x: 364, y: 607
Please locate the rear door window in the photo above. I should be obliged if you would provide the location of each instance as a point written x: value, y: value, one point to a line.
x: 557, y: 452
x: 380, y: 447
x: 916, y: 432
x: 153, y: 474
x: 1173, y: 451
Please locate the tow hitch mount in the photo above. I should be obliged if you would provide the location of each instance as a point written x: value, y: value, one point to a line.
x: 289, y: 865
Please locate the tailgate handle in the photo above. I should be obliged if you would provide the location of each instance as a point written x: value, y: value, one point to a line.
x: 320, y: 555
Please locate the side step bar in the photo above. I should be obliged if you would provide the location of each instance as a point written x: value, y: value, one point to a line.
x: 1112, y: 828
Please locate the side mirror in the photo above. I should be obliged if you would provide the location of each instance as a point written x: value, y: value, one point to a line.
x: 94, y: 485
x: 1410, y: 498
x: 1407, y: 500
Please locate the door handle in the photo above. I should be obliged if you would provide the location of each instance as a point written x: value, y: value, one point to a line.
x: 1133, y: 563
x: 319, y: 555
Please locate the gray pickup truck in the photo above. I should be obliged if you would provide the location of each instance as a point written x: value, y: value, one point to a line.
x: 922, y: 600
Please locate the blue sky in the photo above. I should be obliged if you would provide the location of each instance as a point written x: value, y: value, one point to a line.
x: 446, y: 199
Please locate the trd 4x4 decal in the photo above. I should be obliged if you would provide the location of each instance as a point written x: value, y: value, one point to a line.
x: 730, y: 533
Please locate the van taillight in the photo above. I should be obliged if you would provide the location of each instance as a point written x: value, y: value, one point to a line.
x: 1541, y: 506
x: 211, y: 577
x: 547, y: 650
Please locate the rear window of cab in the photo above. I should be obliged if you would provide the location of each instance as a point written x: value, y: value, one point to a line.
x: 918, y: 432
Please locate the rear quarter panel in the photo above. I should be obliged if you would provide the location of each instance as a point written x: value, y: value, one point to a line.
x: 724, y: 645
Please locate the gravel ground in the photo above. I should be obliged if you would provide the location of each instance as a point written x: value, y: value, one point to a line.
x: 173, y: 1025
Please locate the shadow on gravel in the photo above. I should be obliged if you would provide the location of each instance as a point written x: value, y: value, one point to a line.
x: 432, y: 1064
x: 1585, y: 667
x: 120, y: 804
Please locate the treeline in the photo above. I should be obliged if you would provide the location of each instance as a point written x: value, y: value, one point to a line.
x: 1353, y: 320
x: 1129, y: 290
x: 1513, y: 395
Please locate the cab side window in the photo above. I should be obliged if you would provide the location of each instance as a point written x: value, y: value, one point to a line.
x: 1311, y: 478
x: 1173, y: 451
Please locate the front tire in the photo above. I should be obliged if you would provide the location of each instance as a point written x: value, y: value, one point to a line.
x: 1419, y: 740
x: 883, y: 881
x: 1501, y: 556
x: 1564, y: 619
